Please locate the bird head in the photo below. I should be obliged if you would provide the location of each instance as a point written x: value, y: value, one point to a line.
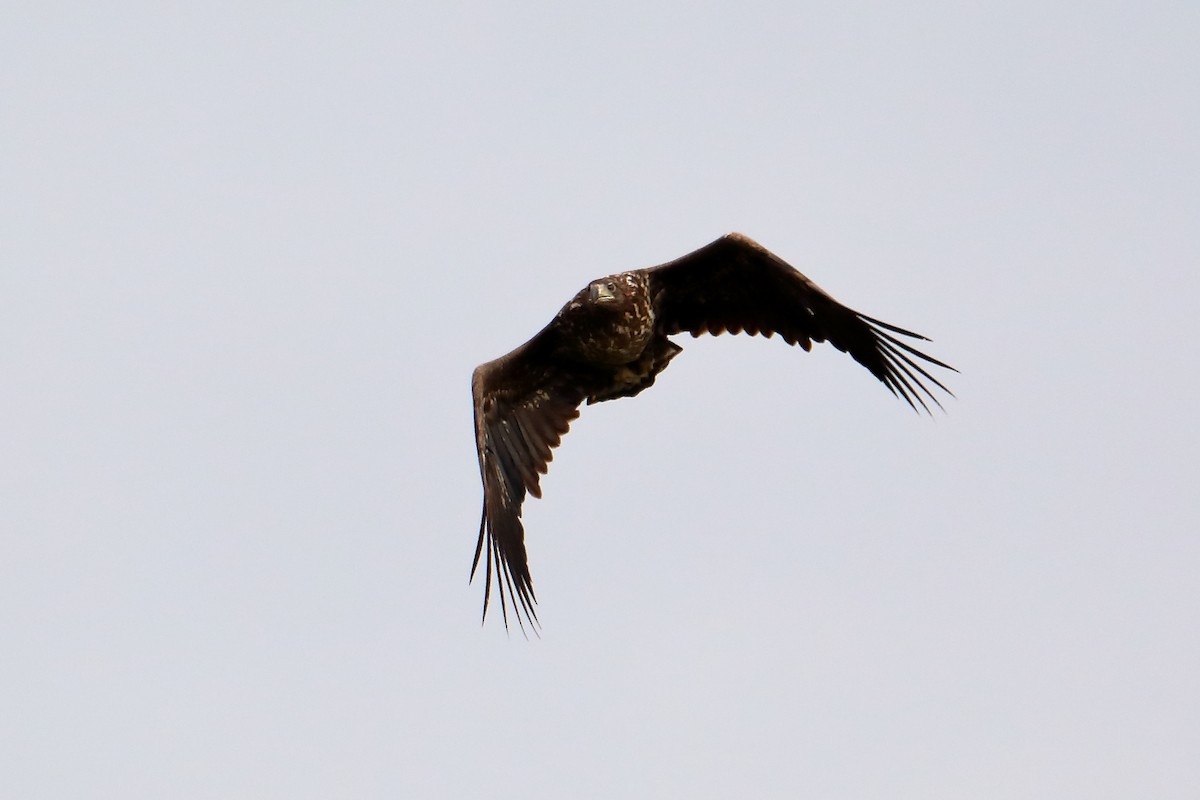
x: 605, y: 291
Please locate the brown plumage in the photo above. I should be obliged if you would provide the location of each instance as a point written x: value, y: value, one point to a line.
x: 611, y: 341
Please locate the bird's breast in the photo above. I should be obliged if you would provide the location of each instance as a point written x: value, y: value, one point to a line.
x: 613, y: 336
x: 620, y: 341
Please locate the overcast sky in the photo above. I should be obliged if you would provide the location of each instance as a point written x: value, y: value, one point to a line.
x: 249, y: 256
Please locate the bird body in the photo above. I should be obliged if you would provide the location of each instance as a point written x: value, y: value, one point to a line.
x: 611, y: 340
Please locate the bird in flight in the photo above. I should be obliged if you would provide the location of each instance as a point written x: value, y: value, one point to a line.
x: 611, y: 340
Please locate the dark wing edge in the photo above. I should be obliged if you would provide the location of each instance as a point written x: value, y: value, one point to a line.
x: 735, y: 284
x: 522, y: 411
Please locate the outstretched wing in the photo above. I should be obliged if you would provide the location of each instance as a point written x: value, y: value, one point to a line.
x: 736, y: 285
x: 524, y: 403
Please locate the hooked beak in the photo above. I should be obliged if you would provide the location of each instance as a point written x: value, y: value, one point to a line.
x: 601, y: 293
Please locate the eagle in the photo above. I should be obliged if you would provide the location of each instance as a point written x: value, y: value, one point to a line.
x: 611, y: 340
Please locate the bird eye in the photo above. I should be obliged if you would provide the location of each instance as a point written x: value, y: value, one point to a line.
x: 612, y: 287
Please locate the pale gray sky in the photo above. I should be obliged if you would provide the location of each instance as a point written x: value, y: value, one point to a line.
x: 249, y: 257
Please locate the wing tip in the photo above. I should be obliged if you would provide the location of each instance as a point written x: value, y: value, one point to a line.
x: 895, y: 368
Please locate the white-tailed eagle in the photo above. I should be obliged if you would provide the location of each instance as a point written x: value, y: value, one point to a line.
x: 611, y: 340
